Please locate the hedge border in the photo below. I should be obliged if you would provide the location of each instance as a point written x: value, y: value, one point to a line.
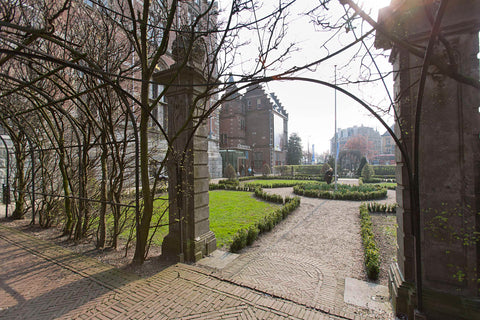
x: 376, y: 180
x: 214, y: 186
x: 246, y: 236
x: 271, y: 177
x: 274, y: 184
x: 376, y: 207
x: 370, y: 248
x: 384, y: 170
x: 349, y: 195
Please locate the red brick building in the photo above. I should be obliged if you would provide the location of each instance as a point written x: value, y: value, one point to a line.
x: 253, y: 130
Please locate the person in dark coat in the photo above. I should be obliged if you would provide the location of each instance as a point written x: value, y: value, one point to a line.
x: 328, y: 176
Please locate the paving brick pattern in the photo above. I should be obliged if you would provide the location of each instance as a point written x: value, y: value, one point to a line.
x: 39, y: 280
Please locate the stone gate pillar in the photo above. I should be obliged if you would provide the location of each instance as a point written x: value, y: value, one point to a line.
x: 189, y: 237
x: 449, y: 163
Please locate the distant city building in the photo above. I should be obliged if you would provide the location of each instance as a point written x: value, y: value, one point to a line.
x: 387, y: 154
x: 343, y: 135
x: 253, y: 130
x: 388, y: 144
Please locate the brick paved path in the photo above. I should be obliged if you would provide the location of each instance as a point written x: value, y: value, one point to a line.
x: 39, y: 280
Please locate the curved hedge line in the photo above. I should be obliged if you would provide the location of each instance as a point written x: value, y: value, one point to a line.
x: 259, y: 193
x: 371, y: 251
x: 246, y: 236
x: 344, y: 192
x: 274, y: 184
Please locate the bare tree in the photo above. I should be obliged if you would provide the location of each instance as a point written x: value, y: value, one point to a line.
x: 115, y: 60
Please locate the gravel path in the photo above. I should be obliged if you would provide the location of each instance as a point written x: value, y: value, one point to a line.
x: 327, y: 230
x: 321, y: 229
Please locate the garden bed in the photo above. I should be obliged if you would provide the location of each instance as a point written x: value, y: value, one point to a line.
x: 343, y: 192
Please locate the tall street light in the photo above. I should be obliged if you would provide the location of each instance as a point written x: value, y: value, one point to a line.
x: 336, y: 141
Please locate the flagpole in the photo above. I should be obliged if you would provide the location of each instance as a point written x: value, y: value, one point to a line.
x: 336, y: 140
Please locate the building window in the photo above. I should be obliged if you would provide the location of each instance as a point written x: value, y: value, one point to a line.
x: 158, y: 114
x: 242, y: 124
x: 259, y: 101
x: 258, y: 160
x: 223, y: 138
x: 155, y: 91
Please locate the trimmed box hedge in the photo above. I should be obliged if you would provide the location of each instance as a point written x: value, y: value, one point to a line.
x: 375, y: 207
x: 385, y: 170
x: 246, y: 236
x: 371, y: 251
x: 344, y: 192
x: 302, y: 170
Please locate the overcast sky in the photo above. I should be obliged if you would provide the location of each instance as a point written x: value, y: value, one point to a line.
x: 311, y: 106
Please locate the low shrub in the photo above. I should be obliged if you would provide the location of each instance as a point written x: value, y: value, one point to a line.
x: 226, y: 186
x: 377, y: 180
x: 252, y: 234
x: 230, y: 172
x: 266, y: 170
x: 273, y: 184
x: 384, y: 170
x: 245, y: 236
x: 344, y: 192
x: 239, y: 240
x: 381, y: 207
x: 297, y: 177
x: 367, y: 172
x: 385, y: 177
x: 371, y: 251
x: 230, y: 182
x: 259, y: 193
x: 306, y: 170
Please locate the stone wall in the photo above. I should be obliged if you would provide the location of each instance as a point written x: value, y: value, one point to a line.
x: 445, y: 266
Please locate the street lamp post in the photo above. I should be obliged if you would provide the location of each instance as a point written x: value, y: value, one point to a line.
x: 336, y: 141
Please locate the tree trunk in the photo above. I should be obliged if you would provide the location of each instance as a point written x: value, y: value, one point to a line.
x: 67, y: 229
x: 19, y: 212
x: 143, y: 222
x: 101, y: 232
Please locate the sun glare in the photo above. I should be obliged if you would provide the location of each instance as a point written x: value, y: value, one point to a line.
x: 373, y: 5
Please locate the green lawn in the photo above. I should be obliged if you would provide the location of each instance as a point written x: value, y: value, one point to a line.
x: 233, y: 210
x: 229, y: 212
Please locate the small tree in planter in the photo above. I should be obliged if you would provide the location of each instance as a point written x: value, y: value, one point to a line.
x: 325, y: 168
x: 266, y: 170
x: 367, y: 172
x: 363, y: 162
x: 230, y: 173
